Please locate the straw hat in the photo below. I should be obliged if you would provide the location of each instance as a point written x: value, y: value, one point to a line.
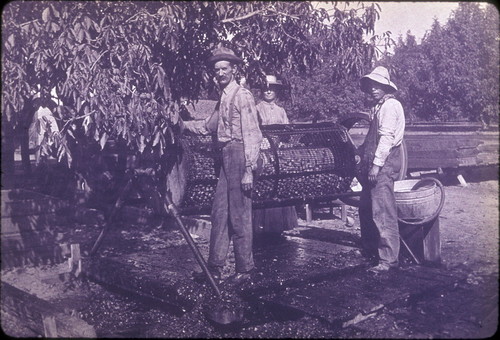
x: 272, y: 81
x: 224, y: 53
x: 380, y: 75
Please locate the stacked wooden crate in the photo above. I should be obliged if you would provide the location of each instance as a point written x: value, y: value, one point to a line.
x: 451, y: 149
x: 29, y: 228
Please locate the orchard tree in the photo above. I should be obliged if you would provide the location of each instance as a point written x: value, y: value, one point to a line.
x: 119, y: 68
x: 319, y: 97
x: 453, y: 74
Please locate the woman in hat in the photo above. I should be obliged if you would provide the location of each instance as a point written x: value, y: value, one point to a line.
x: 380, y: 167
x: 269, y: 111
x: 273, y: 221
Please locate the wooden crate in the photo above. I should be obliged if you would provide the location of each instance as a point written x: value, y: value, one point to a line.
x: 42, y: 317
x: 30, y: 228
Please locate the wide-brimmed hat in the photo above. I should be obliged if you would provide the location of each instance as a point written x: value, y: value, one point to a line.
x: 380, y: 75
x: 224, y: 53
x: 272, y: 80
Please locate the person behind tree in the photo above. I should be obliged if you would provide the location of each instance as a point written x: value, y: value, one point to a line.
x: 380, y: 167
x: 43, y: 124
x: 273, y: 221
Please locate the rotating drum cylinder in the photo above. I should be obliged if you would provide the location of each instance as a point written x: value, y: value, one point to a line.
x: 300, y: 163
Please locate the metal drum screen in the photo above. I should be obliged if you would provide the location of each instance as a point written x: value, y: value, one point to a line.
x: 300, y: 163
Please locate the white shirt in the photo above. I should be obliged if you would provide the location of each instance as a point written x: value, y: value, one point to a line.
x: 43, y: 121
x: 391, y: 127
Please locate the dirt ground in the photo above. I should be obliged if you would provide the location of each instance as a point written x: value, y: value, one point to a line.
x: 469, y: 242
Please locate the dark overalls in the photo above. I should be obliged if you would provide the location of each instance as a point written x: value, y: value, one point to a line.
x: 377, y: 211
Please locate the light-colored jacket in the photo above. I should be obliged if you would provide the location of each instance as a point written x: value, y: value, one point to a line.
x: 391, y: 127
x: 241, y: 125
x: 271, y: 113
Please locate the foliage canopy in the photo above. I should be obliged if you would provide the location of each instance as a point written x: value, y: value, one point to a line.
x: 454, y: 73
x: 119, y: 68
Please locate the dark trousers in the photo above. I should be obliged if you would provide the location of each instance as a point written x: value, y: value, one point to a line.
x: 231, y: 213
x: 378, y: 212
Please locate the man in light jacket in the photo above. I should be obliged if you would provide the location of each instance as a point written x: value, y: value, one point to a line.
x: 236, y: 125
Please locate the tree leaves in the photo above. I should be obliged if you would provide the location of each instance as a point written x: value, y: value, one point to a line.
x: 453, y: 74
x: 99, y: 55
x: 46, y: 14
x: 103, y: 140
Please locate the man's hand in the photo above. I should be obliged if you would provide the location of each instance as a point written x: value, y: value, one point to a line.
x: 373, y: 173
x: 247, y: 180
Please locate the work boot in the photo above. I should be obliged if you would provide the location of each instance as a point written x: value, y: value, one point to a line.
x: 201, y: 277
x: 239, y: 278
x: 381, y: 268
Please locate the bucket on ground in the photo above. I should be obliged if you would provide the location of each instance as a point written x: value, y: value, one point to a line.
x: 418, y: 200
x: 419, y: 203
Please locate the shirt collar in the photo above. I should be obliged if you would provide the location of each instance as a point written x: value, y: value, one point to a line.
x: 384, y: 98
x: 231, y: 86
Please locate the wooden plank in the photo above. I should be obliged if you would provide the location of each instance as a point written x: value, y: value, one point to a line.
x: 152, y: 277
x: 426, y: 145
x: 75, y: 259
x: 32, y: 223
x: 432, y: 242
x: 467, y: 161
x: 431, y: 163
x: 18, y: 202
x: 487, y: 159
x: 309, y: 212
x: 28, y: 240
x: 423, y: 240
x: 10, y: 195
x: 467, y: 152
x: 439, y: 154
x: 49, y: 326
x: 31, y: 312
x: 488, y: 148
x: 13, y: 257
x: 32, y: 207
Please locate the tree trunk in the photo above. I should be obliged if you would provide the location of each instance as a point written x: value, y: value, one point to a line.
x: 8, y: 149
x: 25, y: 152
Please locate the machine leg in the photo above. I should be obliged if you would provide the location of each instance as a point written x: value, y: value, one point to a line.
x: 423, y: 241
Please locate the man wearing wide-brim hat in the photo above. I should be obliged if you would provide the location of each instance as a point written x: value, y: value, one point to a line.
x: 238, y: 134
x: 380, y: 166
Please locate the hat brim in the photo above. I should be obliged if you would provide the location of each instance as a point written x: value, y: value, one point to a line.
x: 226, y: 57
x: 364, y: 82
x: 278, y: 84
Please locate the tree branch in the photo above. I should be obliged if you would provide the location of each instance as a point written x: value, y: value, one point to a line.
x: 133, y: 17
x: 281, y: 13
x: 95, y: 62
x: 260, y: 11
x: 246, y: 16
x: 75, y: 118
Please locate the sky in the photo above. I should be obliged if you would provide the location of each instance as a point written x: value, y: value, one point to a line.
x: 399, y: 17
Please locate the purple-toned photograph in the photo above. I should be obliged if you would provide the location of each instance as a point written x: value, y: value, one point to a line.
x: 250, y: 169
